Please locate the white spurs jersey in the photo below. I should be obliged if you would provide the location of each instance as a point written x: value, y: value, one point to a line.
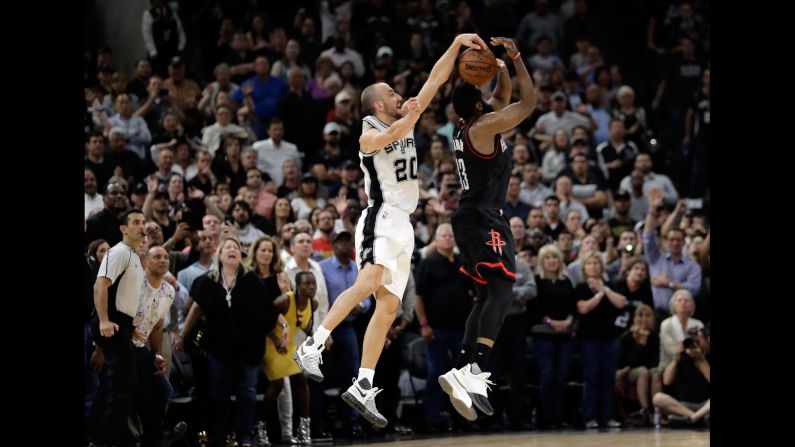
x: 390, y: 173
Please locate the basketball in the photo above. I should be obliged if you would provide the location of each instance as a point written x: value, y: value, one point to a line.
x: 477, y: 67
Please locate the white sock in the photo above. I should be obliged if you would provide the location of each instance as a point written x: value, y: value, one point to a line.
x: 366, y: 373
x: 320, y: 335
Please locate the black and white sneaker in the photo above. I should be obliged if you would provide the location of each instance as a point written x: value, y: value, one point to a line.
x: 308, y: 358
x: 361, y: 396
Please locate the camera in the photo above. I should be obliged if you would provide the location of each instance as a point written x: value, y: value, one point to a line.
x: 628, y: 250
x: 688, y: 343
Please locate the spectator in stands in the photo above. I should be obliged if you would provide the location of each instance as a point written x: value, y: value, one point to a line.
x: 163, y: 34
x: 134, y: 127
x: 512, y: 339
x: 179, y: 87
x: 544, y: 60
x: 557, y: 118
x: 443, y: 303
x: 327, y: 163
x: 574, y: 269
x: 541, y: 22
x: 241, y: 213
x: 552, y: 332
x: 223, y: 83
x: 563, y: 191
x: 230, y: 298
x: 674, y: 328
x: 557, y: 153
x: 274, y: 151
x: 532, y: 190
x: 157, y: 104
x: 616, y: 155
x: 308, y: 197
x: 101, y: 166
x: 552, y: 222
x: 261, y: 94
x: 278, y: 363
x: 227, y: 166
x: 324, y: 70
x: 627, y: 249
x: 301, y: 249
x: 211, y: 135
x: 93, y: 201
x: 321, y: 242
x: 588, y: 185
x: 239, y: 56
x: 598, y: 306
x: 670, y: 271
x: 292, y: 58
x: 513, y: 206
x: 688, y: 377
x: 105, y: 224
x: 640, y: 355
x: 137, y: 85
x: 634, y: 118
x: 342, y: 363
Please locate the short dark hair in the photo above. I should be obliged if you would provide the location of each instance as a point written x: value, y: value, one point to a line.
x: 299, y: 278
x: 125, y: 217
x: 275, y: 120
x: 552, y: 197
x: 243, y: 204
x: 465, y: 98
x: 369, y: 96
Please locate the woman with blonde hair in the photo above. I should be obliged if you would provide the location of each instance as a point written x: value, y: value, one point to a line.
x: 640, y: 354
x: 552, y: 335
x: 237, y: 321
x: 673, y: 329
x: 598, y: 307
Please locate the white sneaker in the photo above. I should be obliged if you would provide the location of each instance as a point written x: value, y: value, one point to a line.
x: 453, y: 384
x: 477, y: 386
x: 308, y: 358
x: 361, y: 396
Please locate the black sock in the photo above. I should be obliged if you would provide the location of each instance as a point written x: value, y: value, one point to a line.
x: 482, y: 356
x: 464, y: 356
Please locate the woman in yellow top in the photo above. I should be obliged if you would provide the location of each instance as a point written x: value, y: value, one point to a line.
x: 297, y: 308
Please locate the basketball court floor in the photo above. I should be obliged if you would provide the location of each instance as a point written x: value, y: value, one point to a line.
x: 627, y: 438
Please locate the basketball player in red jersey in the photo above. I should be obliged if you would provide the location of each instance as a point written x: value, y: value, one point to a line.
x: 482, y: 232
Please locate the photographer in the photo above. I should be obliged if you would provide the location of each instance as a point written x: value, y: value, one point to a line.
x: 687, y: 378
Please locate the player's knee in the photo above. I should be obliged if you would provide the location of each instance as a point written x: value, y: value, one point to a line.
x: 370, y: 277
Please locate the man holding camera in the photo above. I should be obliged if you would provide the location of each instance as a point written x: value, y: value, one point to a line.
x: 687, y: 378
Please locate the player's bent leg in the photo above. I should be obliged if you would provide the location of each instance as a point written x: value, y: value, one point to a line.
x: 308, y: 355
x: 361, y: 394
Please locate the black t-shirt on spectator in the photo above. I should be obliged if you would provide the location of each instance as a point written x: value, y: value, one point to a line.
x: 595, y: 181
x: 284, y: 191
x: 689, y: 384
x: 129, y: 162
x: 237, y: 332
x: 300, y: 122
x: 684, y: 79
x: 328, y: 160
x: 205, y: 187
x: 617, y: 227
x: 598, y: 324
x: 444, y: 291
x: 103, y: 172
x: 634, y: 355
x: 634, y: 299
x: 103, y: 225
x: 626, y: 156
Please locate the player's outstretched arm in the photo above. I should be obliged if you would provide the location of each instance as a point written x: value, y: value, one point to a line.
x: 515, y: 113
x: 444, y: 66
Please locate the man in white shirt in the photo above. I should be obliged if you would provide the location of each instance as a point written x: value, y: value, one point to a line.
x: 274, y: 151
x: 94, y: 201
x: 651, y: 180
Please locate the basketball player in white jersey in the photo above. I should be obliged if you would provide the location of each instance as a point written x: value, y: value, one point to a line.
x: 384, y: 235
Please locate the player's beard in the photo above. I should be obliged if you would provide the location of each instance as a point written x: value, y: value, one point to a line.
x: 397, y: 114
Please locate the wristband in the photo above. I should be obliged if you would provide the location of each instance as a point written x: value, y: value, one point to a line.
x: 425, y: 324
x: 517, y: 56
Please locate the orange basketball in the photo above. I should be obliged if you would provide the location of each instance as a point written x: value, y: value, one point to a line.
x: 477, y: 67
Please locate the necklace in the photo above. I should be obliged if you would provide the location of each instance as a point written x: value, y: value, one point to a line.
x: 228, y: 289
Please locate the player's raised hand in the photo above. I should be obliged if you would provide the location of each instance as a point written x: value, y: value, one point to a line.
x: 472, y: 41
x: 509, y: 44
